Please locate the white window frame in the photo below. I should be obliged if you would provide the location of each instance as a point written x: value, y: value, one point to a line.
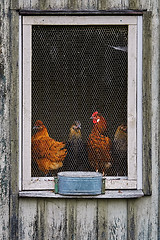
x: 134, y: 179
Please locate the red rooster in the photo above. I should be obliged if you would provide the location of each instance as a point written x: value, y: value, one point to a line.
x: 46, y: 152
x: 99, y: 146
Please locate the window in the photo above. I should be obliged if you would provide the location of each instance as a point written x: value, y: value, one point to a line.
x: 74, y: 66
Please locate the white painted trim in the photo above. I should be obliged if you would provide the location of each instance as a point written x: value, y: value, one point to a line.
x: 108, y: 194
x: 132, y: 102
x: 80, y: 20
x: 120, y: 184
x: 20, y: 103
x: 27, y: 60
x: 43, y: 183
x: 40, y: 183
x: 139, y: 104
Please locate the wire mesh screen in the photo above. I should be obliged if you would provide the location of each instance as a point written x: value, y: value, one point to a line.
x: 77, y: 71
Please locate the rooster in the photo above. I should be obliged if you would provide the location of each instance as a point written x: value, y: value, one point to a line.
x: 99, y: 146
x: 76, y: 159
x: 120, y: 149
x: 46, y: 152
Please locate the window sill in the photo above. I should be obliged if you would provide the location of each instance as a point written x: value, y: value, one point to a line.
x: 108, y: 194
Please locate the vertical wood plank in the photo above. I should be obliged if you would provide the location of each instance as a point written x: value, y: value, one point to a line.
x: 55, y: 216
x: 4, y: 118
x: 102, y: 219
x: 117, y: 220
x: 74, y: 5
x: 28, y: 219
x: 110, y: 4
x: 58, y: 5
x: 44, y: 4
x: 35, y: 4
x: 21, y: 4
x: 14, y: 112
x: 71, y: 217
x: 42, y: 227
x: 139, y: 219
x: 147, y: 112
x: 87, y: 219
x: 26, y: 4
x: 92, y: 5
x: 49, y: 4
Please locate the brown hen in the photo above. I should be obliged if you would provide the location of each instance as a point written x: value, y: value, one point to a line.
x: 46, y: 152
x: 99, y: 146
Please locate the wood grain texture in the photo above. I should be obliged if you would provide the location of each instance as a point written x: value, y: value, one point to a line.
x: 108, y: 194
x: 138, y: 213
x: 73, y: 219
x: 117, y: 220
x: 14, y: 137
x: 87, y: 210
x: 28, y: 220
x: 5, y: 147
x: 55, y: 216
x: 97, y: 218
x: 147, y: 152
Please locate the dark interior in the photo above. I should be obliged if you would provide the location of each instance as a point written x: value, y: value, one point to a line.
x: 77, y: 70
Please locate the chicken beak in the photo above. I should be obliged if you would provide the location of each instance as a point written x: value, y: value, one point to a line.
x: 78, y: 126
x: 91, y: 117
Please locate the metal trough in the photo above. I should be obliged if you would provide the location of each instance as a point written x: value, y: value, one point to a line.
x: 79, y: 183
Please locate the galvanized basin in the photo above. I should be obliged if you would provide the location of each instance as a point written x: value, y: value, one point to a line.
x: 79, y: 183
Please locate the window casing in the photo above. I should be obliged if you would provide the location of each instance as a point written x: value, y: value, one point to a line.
x: 133, y: 180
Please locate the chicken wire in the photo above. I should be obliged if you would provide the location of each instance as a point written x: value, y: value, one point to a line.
x: 77, y: 70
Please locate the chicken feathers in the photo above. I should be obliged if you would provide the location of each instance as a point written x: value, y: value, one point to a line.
x: 46, y: 152
x: 76, y: 159
x: 120, y: 149
x: 99, y: 146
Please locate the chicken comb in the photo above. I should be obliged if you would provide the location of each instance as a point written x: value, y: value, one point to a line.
x: 95, y: 113
x: 38, y: 123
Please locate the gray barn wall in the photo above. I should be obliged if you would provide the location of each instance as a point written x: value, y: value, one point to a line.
x: 111, y: 219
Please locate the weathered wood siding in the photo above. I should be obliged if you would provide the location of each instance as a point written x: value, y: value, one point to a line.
x: 133, y: 219
x: 73, y: 219
x: 4, y: 123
